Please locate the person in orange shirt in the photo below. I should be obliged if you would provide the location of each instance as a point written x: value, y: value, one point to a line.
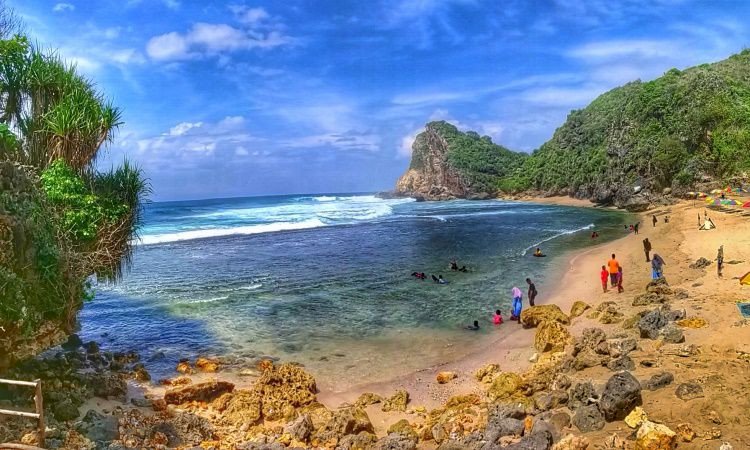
x: 614, y: 267
x: 603, y: 275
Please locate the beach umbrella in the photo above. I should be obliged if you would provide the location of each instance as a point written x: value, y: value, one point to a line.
x: 729, y: 202
x: 717, y: 191
x: 746, y: 205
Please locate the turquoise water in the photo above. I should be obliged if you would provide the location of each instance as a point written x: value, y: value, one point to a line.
x: 325, y: 280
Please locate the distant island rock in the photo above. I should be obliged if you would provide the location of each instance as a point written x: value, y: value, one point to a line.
x: 632, y: 147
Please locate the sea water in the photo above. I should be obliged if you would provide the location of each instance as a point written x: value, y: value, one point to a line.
x: 325, y: 280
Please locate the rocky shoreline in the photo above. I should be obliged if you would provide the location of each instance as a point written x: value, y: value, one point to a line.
x: 645, y: 370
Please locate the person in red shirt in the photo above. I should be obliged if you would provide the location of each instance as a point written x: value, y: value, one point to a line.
x: 604, y: 275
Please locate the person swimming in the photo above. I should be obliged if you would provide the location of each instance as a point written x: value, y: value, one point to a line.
x: 538, y: 253
x: 441, y: 280
x: 463, y: 269
x: 474, y: 327
x: 497, y: 318
x: 454, y: 265
x: 435, y: 279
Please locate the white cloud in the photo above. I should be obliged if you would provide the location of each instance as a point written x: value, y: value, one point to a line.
x: 613, y: 49
x: 241, y: 151
x: 126, y: 56
x: 565, y: 97
x: 251, y: 15
x: 350, y: 140
x: 207, y: 39
x: 404, y: 148
x: 184, y: 127
x: 63, y: 7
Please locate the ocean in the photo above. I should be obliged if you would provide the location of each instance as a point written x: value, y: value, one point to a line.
x: 325, y: 280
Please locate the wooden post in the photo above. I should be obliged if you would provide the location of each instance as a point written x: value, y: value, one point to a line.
x: 39, y: 403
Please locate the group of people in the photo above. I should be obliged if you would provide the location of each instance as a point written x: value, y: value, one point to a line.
x: 633, y: 228
x: 517, y: 295
x: 439, y: 279
x: 612, y: 272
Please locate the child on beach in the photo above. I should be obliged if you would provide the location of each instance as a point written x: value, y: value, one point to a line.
x: 474, y: 327
x: 517, y: 305
x: 497, y: 319
x: 604, y: 275
x: 620, y: 289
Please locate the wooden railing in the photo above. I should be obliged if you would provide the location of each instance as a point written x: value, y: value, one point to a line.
x: 38, y: 415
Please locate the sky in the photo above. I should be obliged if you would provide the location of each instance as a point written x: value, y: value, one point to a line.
x: 239, y: 98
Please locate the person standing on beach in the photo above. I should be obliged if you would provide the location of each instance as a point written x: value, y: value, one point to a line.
x: 613, y: 266
x: 620, y: 289
x: 532, y: 291
x: 657, y: 264
x: 720, y: 260
x: 635, y: 227
x: 654, y: 219
x: 517, y: 304
x: 647, y: 249
x: 604, y: 275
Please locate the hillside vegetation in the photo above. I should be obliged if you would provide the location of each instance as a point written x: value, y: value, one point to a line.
x: 61, y: 220
x: 665, y: 133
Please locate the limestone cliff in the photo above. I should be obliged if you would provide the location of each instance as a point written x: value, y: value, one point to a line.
x: 447, y: 164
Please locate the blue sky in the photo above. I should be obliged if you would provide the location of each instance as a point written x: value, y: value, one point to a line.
x: 300, y: 96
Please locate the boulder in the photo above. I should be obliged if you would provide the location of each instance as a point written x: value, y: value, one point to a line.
x: 621, y: 346
x: 183, y: 430
x: 343, y: 422
x: 672, y: 334
x: 200, y: 392
x: 651, y: 323
x: 65, y: 410
x: 108, y: 385
x: 545, y: 401
x: 404, y: 428
x: 632, y: 321
x: 700, y: 263
x: 395, y: 441
x: 284, y: 387
x: 502, y: 410
x: 445, y: 377
x: 636, y: 417
x: 499, y: 427
x: 397, y: 402
x: 658, y: 381
x: 241, y: 407
x: 551, y: 336
x: 98, y: 427
x: 300, y: 428
x: 588, y: 418
x: 207, y: 365
x: 689, y: 391
x: 578, y: 308
x: 621, y: 394
x: 535, y: 315
x: 591, y: 339
x: 359, y: 441
x: 184, y: 368
x: 505, y: 386
x: 541, y: 440
x: 621, y: 363
x: 487, y: 373
x: 589, y: 358
x: 581, y: 395
x: 654, y: 436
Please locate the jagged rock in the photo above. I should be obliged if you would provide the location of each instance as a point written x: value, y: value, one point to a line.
x: 671, y: 333
x: 621, y: 394
x: 589, y: 358
x: 551, y: 336
x: 632, y: 321
x: 207, y: 365
x: 395, y: 441
x: 140, y: 373
x: 700, y: 263
x: 184, y: 368
x: 343, y: 422
x: 300, y: 428
x: 675, y: 315
x: 658, y: 381
x: 572, y: 442
x: 505, y: 386
x: 499, y: 427
x: 686, y: 432
x: 319, y: 414
x: 98, y: 427
x: 588, y: 418
x: 578, y: 308
x: 621, y: 346
x: 397, y: 402
x: 689, y: 391
x: 183, y: 429
x: 650, y: 325
x: 283, y: 387
x: 535, y: 315
x: 502, y: 410
x: 487, y: 373
x: 621, y: 363
x: 653, y: 436
x: 74, y: 342
x: 581, y: 395
x: 108, y: 385
x: 404, y: 428
x: 590, y: 339
x: 445, y: 377
x: 541, y: 440
x: 636, y: 417
x: 361, y: 441
x: 200, y: 392
x: 368, y: 398
x: 545, y: 401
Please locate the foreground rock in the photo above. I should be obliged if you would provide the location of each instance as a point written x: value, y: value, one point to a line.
x: 654, y: 436
x: 201, y: 392
x: 535, y: 315
x: 621, y: 394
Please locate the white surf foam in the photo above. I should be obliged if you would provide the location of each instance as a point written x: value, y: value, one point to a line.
x: 219, y: 232
x: 555, y: 236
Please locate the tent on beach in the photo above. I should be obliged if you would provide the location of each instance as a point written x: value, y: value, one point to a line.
x: 707, y: 225
x: 745, y: 279
x: 746, y: 205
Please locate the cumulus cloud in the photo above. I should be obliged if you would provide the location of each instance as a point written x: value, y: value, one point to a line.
x: 184, y: 127
x: 63, y: 7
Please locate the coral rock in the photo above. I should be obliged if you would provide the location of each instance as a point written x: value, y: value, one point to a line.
x: 535, y: 315
x: 445, y: 377
x: 653, y: 436
x: 201, y: 392
x: 551, y: 336
x: 397, y: 402
x: 487, y: 373
x: 207, y: 365
x: 621, y: 394
x: 578, y: 309
x: 686, y: 432
x: 636, y: 417
x: 572, y: 442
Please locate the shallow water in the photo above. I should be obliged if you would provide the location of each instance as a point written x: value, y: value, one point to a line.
x: 325, y: 280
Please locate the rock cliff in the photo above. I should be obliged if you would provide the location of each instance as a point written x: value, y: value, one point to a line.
x: 447, y: 164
